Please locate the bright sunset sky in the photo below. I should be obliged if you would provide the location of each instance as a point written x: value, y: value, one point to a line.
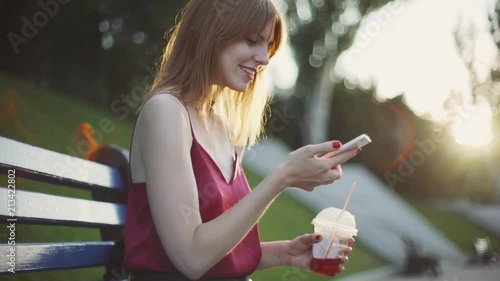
x: 409, y: 46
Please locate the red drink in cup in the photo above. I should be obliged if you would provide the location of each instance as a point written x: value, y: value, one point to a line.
x: 328, y: 267
x: 337, y: 227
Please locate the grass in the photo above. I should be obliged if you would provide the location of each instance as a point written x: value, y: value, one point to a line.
x: 459, y: 230
x: 47, y: 120
x: 286, y: 219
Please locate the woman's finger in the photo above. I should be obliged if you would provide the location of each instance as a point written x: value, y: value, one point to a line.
x: 334, y: 175
x: 341, y: 269
x: 342, y: 157
x: 337, y: 167
x: 323, y: 148
x: 347, y: 250
x: 306, y: 241
x: 309, y: 187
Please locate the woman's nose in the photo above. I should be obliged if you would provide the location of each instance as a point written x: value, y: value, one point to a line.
x: 262, y: 56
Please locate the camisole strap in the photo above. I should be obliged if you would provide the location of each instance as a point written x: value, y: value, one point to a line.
x: 189, y: 115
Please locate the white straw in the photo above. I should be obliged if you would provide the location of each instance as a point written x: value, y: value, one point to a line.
x: 343, y: 210
x: 349, y: 197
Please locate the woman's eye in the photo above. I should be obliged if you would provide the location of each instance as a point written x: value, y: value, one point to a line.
x: 251, y: 42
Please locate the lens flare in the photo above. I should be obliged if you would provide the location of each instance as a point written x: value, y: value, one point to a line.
x: 473, y: 127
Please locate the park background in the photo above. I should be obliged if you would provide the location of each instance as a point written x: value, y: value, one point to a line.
x: 421, y: 77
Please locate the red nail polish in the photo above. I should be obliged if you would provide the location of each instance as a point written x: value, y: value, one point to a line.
x: 336, y: 144
x: 359, y: 150
x: 317, y: 237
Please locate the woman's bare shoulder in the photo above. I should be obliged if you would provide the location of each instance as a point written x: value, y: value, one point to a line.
x: 162, y: 124
x: 163, y: 100
x: 162, y: 108
x: 162, y: 116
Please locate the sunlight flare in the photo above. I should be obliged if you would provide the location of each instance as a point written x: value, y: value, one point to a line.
x: 473, y: 127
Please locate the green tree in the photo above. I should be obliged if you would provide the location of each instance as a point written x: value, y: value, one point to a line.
x: 94, y: 50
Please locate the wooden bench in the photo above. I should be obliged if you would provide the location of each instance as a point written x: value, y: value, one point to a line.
x: 107, y: 179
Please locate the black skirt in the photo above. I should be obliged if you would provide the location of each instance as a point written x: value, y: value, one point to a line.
x: 136, y: 275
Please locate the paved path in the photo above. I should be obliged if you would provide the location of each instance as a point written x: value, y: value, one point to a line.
x: 487, y: 216
x: 449, y: 272
x: 382, y: 217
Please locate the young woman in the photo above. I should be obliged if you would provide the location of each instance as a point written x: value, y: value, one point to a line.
x: 191, y: 214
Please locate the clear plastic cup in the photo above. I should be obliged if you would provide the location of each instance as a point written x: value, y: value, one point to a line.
x: 331, y: 223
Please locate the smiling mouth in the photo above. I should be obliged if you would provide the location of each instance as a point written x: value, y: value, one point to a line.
x: 250, y: 72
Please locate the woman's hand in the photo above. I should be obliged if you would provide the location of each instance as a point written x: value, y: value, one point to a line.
x: 299, y: 251
x: 303, y: 168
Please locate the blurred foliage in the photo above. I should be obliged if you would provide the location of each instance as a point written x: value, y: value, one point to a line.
x: 94, y: 50
x: 316, y: 39
x: 104, y: 51
x: 323, y: 29
x: 37, y: 121
x: 413, y: 156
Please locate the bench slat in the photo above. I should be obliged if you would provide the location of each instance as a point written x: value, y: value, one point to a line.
x: 44, y: 165
x: 41, y: 208
x: 50, y: 256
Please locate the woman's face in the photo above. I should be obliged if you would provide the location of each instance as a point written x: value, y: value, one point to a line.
x: 240, y: 61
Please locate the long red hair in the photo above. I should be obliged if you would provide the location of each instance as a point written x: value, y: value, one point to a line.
x: 190, y: 62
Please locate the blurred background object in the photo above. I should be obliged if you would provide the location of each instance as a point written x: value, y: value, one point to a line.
x: 421, y: 77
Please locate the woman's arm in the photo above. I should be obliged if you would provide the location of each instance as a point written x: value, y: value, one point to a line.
x: 273, y: 254
x: 296, y: 252
x: 194, y: 247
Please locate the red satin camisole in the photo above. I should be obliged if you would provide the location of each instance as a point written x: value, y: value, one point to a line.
x: 143, y: 249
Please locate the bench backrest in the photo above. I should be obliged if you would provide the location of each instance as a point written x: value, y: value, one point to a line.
x: 107, y: 181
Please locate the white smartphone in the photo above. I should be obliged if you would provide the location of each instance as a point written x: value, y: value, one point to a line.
x: 357, y: 142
